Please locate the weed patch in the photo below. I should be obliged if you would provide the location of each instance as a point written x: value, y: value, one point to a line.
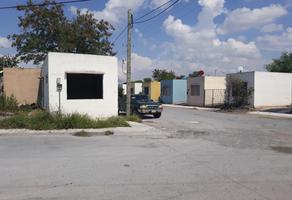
x: 43, y: 120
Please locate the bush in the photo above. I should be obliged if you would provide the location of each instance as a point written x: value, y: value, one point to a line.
x: 237, y: 92
x: 8, y: 103
x: 43, y: 120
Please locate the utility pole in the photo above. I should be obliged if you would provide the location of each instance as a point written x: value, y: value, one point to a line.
x: 129, y: 51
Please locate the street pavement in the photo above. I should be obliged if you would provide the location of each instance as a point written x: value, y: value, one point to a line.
x: 188, y: 154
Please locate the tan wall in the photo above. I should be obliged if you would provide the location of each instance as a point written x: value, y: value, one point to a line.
x: 23, y: 83
x: 214, y: 90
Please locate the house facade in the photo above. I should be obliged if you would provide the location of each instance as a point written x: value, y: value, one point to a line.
x: 174, y: 91
x: 152, y: 90
x: 136, y: 88
x: 80, y: 83
x: 206, y: 90
x: 269, y: 89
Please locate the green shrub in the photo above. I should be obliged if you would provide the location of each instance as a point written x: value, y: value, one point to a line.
x: 8, y: 103
x: 237, y: 92
x: 43, y: 120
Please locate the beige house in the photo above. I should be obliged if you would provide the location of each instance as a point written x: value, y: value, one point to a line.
x: 22, y: 83
x: 206, y: 90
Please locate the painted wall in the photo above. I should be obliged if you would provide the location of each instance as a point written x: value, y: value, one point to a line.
x: 270, y: 89
x: 214, y: 90
x: 22, y: 83
x: 154, y: 90
x: 58, y: 64
x: 179, y: 91
x: 195, y: 100
x: 167, y: 91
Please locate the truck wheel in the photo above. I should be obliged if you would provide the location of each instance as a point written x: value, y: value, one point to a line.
x: 157, y: 115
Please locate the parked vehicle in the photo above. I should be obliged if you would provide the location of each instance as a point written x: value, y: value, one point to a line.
x: 142, y: 105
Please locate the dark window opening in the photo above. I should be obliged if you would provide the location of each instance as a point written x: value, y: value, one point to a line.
x: 146, y: 90
x: 84, y: 86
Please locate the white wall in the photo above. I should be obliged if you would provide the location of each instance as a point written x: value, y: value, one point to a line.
x: 59, y: 63
x: 272, y: 89
x: 138, y: 88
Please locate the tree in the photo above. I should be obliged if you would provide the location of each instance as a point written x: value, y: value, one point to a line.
x: 162, y: 74
x: 147, y: 80
x: 283, y: 64
x: 237, y: 92
x: 8, y: 61
x: 45, y: 28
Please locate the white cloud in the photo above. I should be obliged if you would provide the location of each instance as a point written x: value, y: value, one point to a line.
x: 114, y: 11
x: 244, y: 18
x: 4, y: 43
x: 215, y: 6
x: 199, y: 47
x: 280, y: 42
x: 270, y: 28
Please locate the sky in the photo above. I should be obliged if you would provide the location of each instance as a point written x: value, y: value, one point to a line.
x: 217, y: 36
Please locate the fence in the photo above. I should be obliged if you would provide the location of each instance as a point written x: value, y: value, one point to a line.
x: 214, y: 97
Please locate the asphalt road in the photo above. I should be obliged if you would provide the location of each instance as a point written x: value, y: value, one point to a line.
x: 192, y: 155
x: 238, y: 130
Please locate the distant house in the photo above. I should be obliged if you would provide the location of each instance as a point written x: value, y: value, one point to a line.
x: 136, y: 87
x: 206, y: 90
x: 152, y: 90
x: 268, y: 88
x: 80, y: 83
x: 174, y: 91
x: 22, y: 83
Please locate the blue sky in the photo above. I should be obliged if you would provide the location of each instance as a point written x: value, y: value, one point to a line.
x: 213, y: 35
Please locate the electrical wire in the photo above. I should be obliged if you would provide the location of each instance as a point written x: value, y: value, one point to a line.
x: 43, y: 4
x: 164, y: 10
x: 139, y: 22
x: 120, y: 34
x: 154, y: 10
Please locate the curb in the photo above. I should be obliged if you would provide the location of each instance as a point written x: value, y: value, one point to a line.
x: 134, y: 129
x: 282, y: 115
x: 190, y: 107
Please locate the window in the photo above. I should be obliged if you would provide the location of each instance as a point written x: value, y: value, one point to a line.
x: 84, y: 86
x: 132, y: 90
x: 165, y: 91
x: 146, y: 90
x: 195, y: 90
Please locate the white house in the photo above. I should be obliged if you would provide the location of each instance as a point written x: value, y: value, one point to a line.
x: 269, y: 88
x: 80, y: 83
x: 206, y: 90
x: 136, y: 87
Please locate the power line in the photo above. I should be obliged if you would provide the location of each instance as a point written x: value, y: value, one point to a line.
x: 120, y: 34
x: 154, y: 10
x: 146, y: 20
x: 43, y: 4
x: 138, y: 22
